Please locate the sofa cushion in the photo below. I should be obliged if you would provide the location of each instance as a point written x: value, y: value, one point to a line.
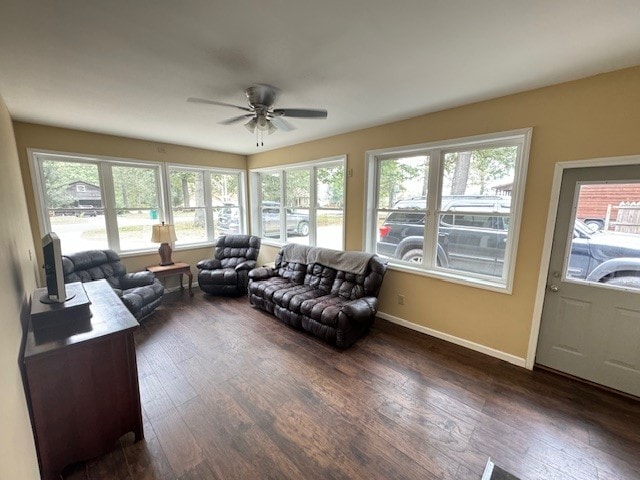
x: 320, y: 277
x: 266, y: 288
x: 294, y: 272
x: 323, y: 309
x: 292, y: 297
x: 348, y: 285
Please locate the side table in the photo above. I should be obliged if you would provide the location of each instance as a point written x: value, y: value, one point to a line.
x: 177, y: 268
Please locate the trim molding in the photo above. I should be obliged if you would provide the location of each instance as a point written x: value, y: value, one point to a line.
x: 492, y: 352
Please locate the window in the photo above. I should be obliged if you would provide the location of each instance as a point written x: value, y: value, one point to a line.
x: 99, y: 203
x: 302, y: 203
x: 473, y: 188
x: 205, y: 203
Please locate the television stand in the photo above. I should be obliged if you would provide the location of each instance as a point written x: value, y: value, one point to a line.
x: 81, y: 380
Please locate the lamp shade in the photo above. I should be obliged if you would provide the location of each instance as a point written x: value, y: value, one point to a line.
x: 164, y: 233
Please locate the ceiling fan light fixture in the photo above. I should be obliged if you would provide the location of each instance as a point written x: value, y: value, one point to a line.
x: 263, y: 123
x: 251, y: 125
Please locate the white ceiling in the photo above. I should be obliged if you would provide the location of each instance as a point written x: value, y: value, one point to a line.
x: 126, y: 67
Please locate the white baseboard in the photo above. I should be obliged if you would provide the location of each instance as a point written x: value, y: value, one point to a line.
x: 492, y: 352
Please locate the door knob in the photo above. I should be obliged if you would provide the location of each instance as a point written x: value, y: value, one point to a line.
x: 554, y: 288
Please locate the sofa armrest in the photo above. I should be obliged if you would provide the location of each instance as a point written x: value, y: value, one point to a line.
x: 209, y: 264
x: 261, y: 273
x: 360, y: 309
x: 246, y: 265
x: 137, y: 279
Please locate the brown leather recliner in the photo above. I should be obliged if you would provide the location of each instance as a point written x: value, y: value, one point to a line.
x: 228, y: 272
x: 141, y: 292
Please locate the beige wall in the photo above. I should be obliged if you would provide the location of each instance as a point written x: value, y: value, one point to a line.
x: 589, y: 118
x: 17, y: 281
x: 75, y: 141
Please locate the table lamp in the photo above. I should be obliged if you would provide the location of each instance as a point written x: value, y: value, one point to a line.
x: 164, y: 234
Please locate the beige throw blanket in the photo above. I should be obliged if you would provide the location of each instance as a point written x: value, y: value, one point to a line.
x: 352, y: 262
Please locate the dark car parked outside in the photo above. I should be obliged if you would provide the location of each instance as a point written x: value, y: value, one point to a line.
x: 473, y: 235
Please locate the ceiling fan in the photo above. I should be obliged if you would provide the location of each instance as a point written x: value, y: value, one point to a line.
x: 262, y: 116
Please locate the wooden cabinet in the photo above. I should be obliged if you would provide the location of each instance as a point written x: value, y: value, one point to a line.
x: 82, y: 382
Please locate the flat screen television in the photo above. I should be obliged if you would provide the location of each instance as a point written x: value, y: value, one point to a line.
x: 52, y: 253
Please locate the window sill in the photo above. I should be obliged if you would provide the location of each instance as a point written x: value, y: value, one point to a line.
x: 453, y: 278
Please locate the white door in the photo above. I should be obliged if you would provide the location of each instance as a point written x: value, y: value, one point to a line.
x: 590, y: 324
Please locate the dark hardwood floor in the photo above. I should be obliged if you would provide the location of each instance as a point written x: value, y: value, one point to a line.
x: 229, y: 392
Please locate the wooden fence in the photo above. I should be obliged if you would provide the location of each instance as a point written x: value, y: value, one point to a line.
x: 627, y: 218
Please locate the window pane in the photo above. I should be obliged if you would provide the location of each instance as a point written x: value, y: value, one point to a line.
x: 187, y: 202
x: 479, y: 172
x: 298, y: 188
x: 270, y: 187
x: 224, y: 189
x: 270, y: 214
x: 610, y: 234
x: 474, y: 243
x: 227, y: 220
x: 403, y: 184
x: 136, y: 196
x: 288, y: 219
x: 330, y: 189
x: 477, y: 183
x: 74, y: 204
x: 402, y: 179
x: 297, y: 225
x: 330, y: 227
x: 225, y: 203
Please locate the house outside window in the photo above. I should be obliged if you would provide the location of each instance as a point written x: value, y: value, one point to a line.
x: 301, y: 203
x: 449, y: 209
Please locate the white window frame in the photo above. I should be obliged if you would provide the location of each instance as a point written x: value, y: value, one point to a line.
x: 206, y: 179
x: 104, y: 164
x: 436, y: 152
x: 313, y: 165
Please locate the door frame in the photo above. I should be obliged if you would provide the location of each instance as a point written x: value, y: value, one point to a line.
x: 554, y: 199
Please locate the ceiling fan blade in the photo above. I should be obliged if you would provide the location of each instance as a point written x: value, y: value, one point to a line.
x: 214, y: 102
x: 237, y: 119
x: 282, y: 124
x: 300, y: 112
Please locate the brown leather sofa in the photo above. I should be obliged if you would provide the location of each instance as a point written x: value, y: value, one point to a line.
x: 328, y: 293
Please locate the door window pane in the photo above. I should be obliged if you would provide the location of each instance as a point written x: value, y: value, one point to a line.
x: 605, y: 248
x: 74, y: 204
